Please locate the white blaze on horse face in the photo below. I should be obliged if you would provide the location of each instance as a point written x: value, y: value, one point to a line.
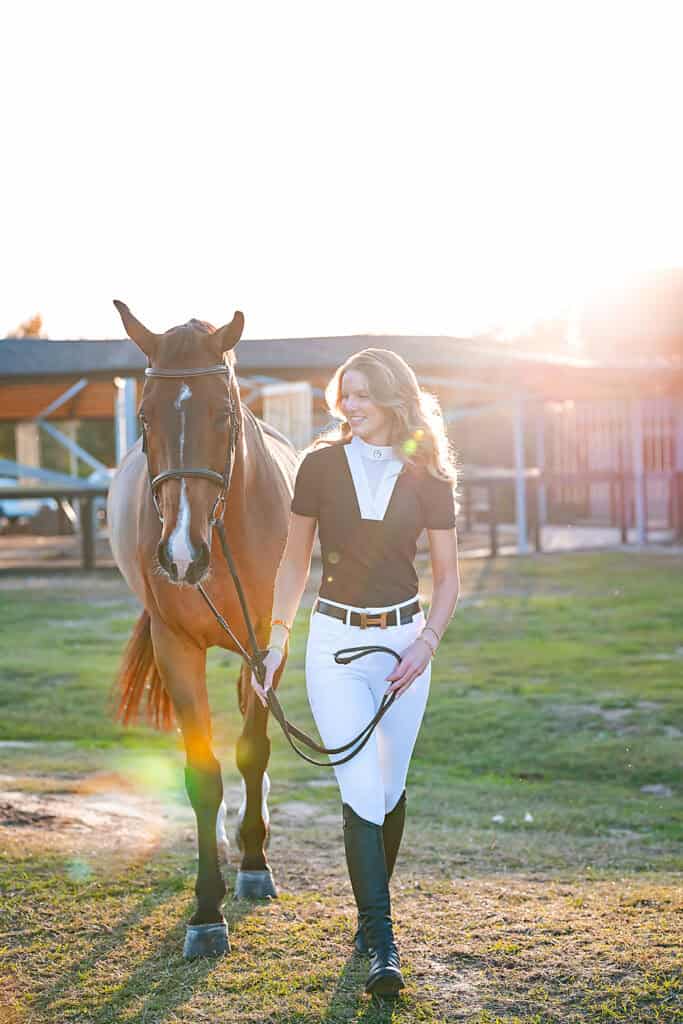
x: 180, y: 546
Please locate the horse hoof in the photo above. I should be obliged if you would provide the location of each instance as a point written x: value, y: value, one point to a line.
x: 206, y: 940
x: 255, y: 885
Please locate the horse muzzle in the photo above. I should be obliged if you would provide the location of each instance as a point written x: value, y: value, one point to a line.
x: 189, y: 565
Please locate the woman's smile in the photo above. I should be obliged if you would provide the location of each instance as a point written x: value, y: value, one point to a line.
x: 367, y: 420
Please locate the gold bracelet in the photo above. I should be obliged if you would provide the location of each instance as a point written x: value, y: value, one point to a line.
x: 432, y: 630
x: 427, y: 644
x: 281, y: 622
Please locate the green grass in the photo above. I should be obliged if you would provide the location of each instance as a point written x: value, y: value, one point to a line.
x: 556, y: 696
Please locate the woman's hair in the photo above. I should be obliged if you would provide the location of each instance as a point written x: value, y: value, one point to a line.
x: 418, y: 434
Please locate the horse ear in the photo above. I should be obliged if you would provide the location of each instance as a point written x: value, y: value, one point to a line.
x: 136, y: 331
x: 227, y: 337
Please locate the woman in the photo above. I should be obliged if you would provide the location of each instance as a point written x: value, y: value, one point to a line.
x: 371, y: 485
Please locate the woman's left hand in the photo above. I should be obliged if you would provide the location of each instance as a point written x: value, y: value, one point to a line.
x: 414, y: 661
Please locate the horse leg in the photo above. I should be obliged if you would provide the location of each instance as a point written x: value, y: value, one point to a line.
x: 254, y: 878
x: 182, y: 667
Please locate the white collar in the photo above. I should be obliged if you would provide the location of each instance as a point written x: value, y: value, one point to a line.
x: 373, y: 452
x: 372, y: 506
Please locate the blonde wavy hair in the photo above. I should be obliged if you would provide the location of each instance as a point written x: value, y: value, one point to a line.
x: 418, y: 434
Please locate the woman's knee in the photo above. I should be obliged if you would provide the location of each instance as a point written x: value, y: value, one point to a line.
x: 367, y: 802
x: 369, y: 810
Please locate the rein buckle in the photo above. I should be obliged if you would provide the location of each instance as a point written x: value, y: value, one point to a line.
x: 218, y: 510
x: 373, y: 620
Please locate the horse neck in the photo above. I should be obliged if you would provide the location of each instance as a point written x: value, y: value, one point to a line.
x: 245, y: 477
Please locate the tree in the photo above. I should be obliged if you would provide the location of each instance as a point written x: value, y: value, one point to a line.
x: 31, y: 328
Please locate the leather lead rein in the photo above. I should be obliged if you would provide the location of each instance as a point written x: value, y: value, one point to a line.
x: 344, y: 656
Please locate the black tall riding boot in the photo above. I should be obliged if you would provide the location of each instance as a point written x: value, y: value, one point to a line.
x: 392, y: 833
x: 365, y: 859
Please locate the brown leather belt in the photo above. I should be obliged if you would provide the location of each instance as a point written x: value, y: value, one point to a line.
x: 394, y: 617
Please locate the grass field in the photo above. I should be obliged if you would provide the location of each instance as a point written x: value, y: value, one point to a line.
x: 540, y: 876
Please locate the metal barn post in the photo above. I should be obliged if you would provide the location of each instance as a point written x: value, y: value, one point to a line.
x: 125, y: 419
x: 27, y: 443
x: 70, y: 428
x: 520, y: 482
x: 88, y: 532
x: 542, y: 491
x: 639, y: 483
x: 678, y: 468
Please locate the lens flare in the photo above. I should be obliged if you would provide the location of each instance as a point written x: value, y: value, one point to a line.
x: 158, y: 774
x: 78, y: 870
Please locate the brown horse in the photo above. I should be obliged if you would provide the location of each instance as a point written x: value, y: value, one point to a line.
x: 202, y: 455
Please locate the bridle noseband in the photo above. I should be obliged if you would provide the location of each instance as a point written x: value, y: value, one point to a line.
x: 222, y: 479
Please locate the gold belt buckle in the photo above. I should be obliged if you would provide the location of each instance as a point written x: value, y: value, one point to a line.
x: 373, y: 620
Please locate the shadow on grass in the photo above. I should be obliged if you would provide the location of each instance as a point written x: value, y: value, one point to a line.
x: 349, y: 997
x: 349, y: 1002
x: 161, y: 981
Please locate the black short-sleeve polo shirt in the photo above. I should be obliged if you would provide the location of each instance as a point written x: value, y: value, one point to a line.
x: 368, y: 563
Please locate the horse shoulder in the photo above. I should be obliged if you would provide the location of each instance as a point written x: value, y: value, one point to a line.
x: 123, y: 516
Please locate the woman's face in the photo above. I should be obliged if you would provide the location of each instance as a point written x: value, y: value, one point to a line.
x: 368, y: 421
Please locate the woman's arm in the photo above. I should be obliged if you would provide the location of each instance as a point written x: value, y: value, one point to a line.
x: 290, y: 581
x: 293, y: 570
x: 443, y: 545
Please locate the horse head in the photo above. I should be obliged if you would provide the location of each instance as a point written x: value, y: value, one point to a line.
x: 190, y: 416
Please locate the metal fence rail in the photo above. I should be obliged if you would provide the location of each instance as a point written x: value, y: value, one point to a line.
x: 86, y: 497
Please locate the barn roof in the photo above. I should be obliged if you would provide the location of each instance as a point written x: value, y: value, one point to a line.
x: 30, y: 357
x: 483, y: 363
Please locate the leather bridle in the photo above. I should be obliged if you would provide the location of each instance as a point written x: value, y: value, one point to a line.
x: 256, y: 658
x: 222, y: 479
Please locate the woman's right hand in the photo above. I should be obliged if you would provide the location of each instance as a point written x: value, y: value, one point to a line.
x: 271, y: 663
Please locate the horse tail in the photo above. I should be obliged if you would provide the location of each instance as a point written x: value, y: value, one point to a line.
x: 139, y: 672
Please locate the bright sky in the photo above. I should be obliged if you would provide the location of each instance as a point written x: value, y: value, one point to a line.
x: 334, y: 166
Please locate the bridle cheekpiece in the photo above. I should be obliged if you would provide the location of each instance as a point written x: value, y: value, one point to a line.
x: 223, y: 480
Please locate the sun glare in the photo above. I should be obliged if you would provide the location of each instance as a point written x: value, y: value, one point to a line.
x: 335, y: 169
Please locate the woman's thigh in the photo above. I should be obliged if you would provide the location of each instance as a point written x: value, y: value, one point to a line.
x: 397, y: 734
x: 342, y: 703
x: 398, y: 730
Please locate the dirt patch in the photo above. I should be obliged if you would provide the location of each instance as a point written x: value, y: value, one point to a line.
x: 84, y: 816
x: 12, y: 816
x: 618, y: 718
x: 623, y: 721
x: 300, y: 811
x: 107, y: 811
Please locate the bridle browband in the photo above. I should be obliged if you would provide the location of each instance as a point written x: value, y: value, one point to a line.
x: 222, y: 479
x: 256, y: 658
x: 193, y: 371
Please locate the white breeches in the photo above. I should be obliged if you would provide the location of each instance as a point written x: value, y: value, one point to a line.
x: 344, y: 698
